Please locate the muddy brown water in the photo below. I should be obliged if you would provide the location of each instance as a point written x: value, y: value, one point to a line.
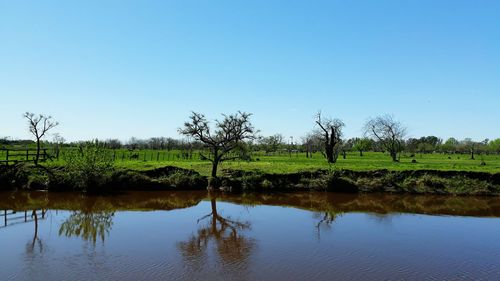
x: 282, y: 236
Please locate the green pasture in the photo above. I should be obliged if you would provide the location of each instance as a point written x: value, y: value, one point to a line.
x: 289, y: 163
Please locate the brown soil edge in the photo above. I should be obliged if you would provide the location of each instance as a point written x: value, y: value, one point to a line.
x: 174, y: 178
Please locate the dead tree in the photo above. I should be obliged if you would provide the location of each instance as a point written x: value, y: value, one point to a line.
x: 331, y: 132
x: 39, y: 125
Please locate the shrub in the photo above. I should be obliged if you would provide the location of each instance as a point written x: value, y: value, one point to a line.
x: 89, y: 166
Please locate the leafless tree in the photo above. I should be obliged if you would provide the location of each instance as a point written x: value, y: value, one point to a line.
x: 331, y: 132
x: 156, y: 143
x: 39, y: 125
x: 134, y: 143
x: 113, y: 143
x: 312, y: 142
x: 57, y: 141
x: 227, y: 136
x: 389, y: 133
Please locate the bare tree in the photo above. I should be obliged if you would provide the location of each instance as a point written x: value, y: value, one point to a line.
x: 331, y: 132
x: 39, y: 125
x: 311, y: 143
x: 389, y: 133
x: 113, y: 143
x: 227, y: 136
x: 58, y: 141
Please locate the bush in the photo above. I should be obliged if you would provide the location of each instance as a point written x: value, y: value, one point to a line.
x: 89, y: 166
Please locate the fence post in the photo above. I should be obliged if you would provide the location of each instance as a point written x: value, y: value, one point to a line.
x: 158, y: 156
x: 7, y: 157
x: 27, y: 154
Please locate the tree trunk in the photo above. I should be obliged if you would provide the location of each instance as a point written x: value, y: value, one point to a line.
x: 329, y: 149
x: 213, y: 203
x: 214, y: 214
x: 361, y: 153
x: 37, y: 157
x: 35, y: 236
x: 214, y: 168
x: 329, y: 155
x: 472, y: 154
x: 215, y: 162
x: 213, y: 182
x: 394, y: 156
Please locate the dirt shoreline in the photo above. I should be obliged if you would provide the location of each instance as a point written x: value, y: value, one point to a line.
x: 337, y: 180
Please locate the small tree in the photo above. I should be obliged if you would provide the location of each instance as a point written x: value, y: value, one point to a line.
x: 450, y: 145
x: 311, y: 143
x: 39, y: 125
x: 228, y: 135
x: 89, y: 166
x: 388, y: 132
x: 272, y: 143
x: 471, y: 146
x: 362, y: 145
x: 331, y: 132
x: 494, y: 146
x: 57, y: 141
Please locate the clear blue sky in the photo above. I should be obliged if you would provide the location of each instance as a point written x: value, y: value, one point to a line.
x: 117, y: 69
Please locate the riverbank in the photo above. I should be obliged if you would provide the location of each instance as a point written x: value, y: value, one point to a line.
x: 29, y: 177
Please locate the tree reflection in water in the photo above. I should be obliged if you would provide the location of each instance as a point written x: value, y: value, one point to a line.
x: 30, y: 247
x: 327, y: 215
x: 89, y: 225
x: 230, y: 246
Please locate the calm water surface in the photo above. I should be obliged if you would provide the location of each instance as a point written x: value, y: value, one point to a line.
x: 299, y: 236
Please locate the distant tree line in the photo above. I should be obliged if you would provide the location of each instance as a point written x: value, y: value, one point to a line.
x: 424, y: 145
x: 381, y: 134
x: 278, y: 144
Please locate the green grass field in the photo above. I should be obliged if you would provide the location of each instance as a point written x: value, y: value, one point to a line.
x: 370, y: 161
x: 286, y: 163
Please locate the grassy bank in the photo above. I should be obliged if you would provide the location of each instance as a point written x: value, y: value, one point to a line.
x: 30, y: 177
